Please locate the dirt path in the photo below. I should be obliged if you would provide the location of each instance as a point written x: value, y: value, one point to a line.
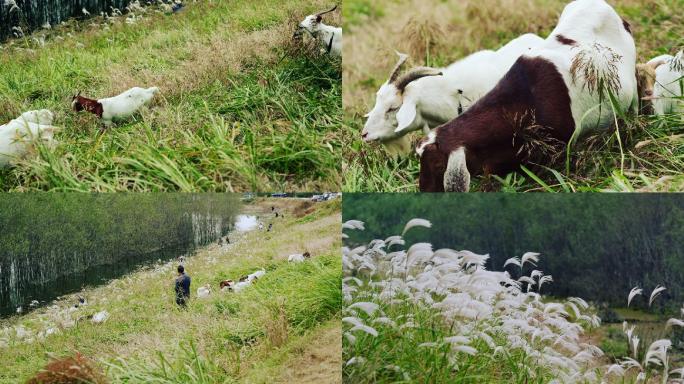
x: 320, y: 362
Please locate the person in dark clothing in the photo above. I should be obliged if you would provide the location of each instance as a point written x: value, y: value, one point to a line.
x: 182, y: 287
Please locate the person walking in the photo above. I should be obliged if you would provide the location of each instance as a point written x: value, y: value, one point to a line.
x: 182, y: 287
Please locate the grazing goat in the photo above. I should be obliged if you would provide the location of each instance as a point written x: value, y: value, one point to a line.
x: 424, y: 98
x: 298, y: 257
x: 555, y: 92
x: 118, y: 107
x: 226, y: 285
x: 17, y: 136
x: 669, y: 82
x: 328, y: 36
x: 204, y: 291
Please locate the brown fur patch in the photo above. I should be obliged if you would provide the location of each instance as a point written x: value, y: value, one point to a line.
x: 564, y: 40
x: 497, y: 131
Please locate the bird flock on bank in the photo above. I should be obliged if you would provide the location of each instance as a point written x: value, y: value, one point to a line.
x: 19, y: 137
x: 499, y: 314
x: 523, y: 104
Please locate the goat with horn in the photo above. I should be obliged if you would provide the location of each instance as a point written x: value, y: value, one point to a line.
x: 424, y: 98
x: 329, y: 37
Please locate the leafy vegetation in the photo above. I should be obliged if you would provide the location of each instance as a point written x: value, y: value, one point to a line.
x: 645, y: 154
x: 243, y: 106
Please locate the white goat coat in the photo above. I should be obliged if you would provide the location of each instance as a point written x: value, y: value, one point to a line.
x: 669, y: 84
x: 325, y: 33
x: 296, y: 258
x: 17, y: 136
x: 438, y: 98
x: 591, y: 22
x: 125, y: 104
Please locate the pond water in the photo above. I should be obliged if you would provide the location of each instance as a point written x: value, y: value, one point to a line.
x: 96, y: 275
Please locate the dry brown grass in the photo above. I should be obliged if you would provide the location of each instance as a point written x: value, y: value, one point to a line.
x: 69, y: 370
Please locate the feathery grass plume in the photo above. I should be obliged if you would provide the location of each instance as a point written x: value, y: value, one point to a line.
x: 656, y: 292
x: 416, y: 223
x: 596, y: 65
x: 529, y: 257
x: 474, y: 322
x: 353, y: 224
x: 633, y: 293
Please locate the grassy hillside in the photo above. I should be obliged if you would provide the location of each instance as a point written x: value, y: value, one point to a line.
x: 270, y: 332
x: 647, y: 155
x: 242, y: 105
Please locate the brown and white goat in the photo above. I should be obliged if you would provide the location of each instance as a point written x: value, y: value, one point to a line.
x: 549, y: 95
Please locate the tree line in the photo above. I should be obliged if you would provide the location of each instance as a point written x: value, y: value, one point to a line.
x: 596, y: 246
x: 44, y: 237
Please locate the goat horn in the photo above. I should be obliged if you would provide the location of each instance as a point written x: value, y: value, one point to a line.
x: 657, y: 64
x: 395, y: 72
x: 414, y: 75
x: 323, y: 13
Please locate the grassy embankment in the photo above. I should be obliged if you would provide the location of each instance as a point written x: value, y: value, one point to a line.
x: 283, y: 328
x: 647, y: 155
x: 242, y: 105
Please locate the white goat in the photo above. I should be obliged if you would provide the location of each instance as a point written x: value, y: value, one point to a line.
x: 329, y: 37
x: 424, y: 98
x: 204, y: 291
x: 298, y: 257
x: 17, y: 136
x: 118, y: 107
x: 669, y: 83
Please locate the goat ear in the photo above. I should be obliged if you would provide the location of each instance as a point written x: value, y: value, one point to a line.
x: 457, y: 176
x: 319, y: 18
x: 406, y: 115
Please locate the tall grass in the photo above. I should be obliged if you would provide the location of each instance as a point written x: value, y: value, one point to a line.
x: 645, y: 156
x: 242, y: 105
x: 471, y: 325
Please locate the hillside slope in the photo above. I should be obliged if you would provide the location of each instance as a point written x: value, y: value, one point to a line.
x: 257, y: 335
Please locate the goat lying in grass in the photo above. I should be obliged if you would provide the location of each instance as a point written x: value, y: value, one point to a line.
x: 329, y: 37
x: 243, y: 282
x: 118, y: 107
x: 19, y: 135
x: 669, y: 82
x: 298, y: 257
x: 424, y: 98
x: 554, y: 93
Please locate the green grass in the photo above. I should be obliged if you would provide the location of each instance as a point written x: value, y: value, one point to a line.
x: 219, y: 339
x: 399, y: 347
x: 242, y: 105
x: 647, y: 155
